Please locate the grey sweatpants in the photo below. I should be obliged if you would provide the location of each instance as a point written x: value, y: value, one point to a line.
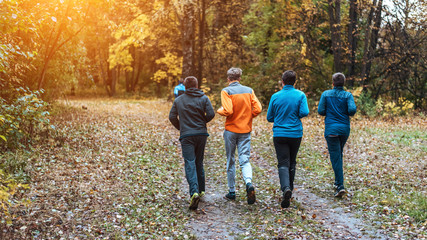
x: 243, y: 143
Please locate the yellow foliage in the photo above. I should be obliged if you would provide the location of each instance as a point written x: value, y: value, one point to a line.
x: 135, y: 33
x: 356, y: 92
x: 8, y: 188
x: 171, y: 68
x: 402, y: 108
x: 204, y: 85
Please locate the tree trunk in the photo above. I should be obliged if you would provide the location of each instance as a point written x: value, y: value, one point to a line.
x: 352, y: 41
x: 187, y: 40
x: 201, y: 40
x: 56, y: 45
x: 373, y: 42
x: 138, y: 71
x: 366, y: 44
x: 334, y: 11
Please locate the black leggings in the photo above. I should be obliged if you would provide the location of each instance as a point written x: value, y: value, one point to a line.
x: 286, y: 151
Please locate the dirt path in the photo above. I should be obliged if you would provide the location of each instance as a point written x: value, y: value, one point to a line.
x: 216, y: 217
x: 342, y: 223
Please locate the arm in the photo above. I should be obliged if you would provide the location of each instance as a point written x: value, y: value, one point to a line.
x: 351, y: 105
x: 321, y: 109
x: 227, y: 105
x: 270, y: 111
x: 173, y: 116
x: 303, y: 108
x: 210, y: 113
x: 256, y: 105
x: 175, y: 92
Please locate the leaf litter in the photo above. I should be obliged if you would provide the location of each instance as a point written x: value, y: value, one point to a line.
x: 114, y: 170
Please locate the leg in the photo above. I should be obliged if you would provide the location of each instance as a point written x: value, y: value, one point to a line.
x: 188, y: 153
x: 335, y: 155
x: 294, y: 144
x: 283, y: 161
x: 244, y: 151
x: 230, y: 149
x: 200, y: 152
x: 343, y: 140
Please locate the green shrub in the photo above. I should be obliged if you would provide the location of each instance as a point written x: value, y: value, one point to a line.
x: 366, y: 105
x: 23, y: 118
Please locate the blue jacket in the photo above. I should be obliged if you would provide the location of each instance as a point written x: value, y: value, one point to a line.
x: 178, y: 90
x: 286, y: 108
x: 337, y: 105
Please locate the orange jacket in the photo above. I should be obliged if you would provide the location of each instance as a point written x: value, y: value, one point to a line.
x: 240, y: 106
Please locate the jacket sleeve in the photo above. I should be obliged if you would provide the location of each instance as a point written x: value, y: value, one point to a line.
x: 351, y: 105
x: 227, y: 105
x: 256, y: 105
x: 210, y: 113
x: 270, y: 111
x: 303, y: 108
x: 321, y: 109
x: 173, y: 116
x: 175, y: 92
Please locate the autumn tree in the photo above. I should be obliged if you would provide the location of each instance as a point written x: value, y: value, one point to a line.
x: 334, y: 11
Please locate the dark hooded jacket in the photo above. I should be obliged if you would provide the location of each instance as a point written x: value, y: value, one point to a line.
x: 190, y: 112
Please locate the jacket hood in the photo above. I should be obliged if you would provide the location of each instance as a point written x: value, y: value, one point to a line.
x: 195, y: 92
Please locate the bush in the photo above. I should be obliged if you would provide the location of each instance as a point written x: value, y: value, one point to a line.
x: 365, y: 104
x: 23, y: 118
x: 402, y: 108
x: 8, y: 188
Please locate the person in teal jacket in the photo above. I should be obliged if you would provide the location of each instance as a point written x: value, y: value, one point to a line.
x: 337, y: 105
x: 286, y: 108
x: 179, y: 89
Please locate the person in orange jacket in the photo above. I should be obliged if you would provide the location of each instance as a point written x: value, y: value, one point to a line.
x: 239, y: 106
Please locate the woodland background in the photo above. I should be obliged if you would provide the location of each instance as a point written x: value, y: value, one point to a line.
x: 143, y: 47
x: 56, y: 51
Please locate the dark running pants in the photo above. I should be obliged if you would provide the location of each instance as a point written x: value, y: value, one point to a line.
x: 286, y: 151
x: 193, y: 150
x: 335, y: 147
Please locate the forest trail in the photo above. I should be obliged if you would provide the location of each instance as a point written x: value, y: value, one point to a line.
x: 114, y: 170
x: 218, y: 218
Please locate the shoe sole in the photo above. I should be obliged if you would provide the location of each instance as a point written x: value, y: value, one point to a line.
x: 229, y: 199
x: 341, y: 193
x: 286, y: 202
x: 251, y: 195
x: 194, y: 203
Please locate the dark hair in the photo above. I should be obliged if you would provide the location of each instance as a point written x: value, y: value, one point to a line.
x: 289, y: 77
x: 190, y: 82
x: 338, y: 79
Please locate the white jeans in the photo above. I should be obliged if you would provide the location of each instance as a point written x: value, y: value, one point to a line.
x: 243, y: 143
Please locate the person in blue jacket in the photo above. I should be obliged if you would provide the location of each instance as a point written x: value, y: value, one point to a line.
x: 286, y: 108
x: 179, y: 89
x: 337, y: 105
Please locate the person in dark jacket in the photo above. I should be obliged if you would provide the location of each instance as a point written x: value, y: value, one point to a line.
x: 286, y: 108
x: 189, y: 114
x: 337, y: 105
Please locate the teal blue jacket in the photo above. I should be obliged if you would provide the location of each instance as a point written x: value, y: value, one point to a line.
x: 337, y: 105
x: 286, y: 108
